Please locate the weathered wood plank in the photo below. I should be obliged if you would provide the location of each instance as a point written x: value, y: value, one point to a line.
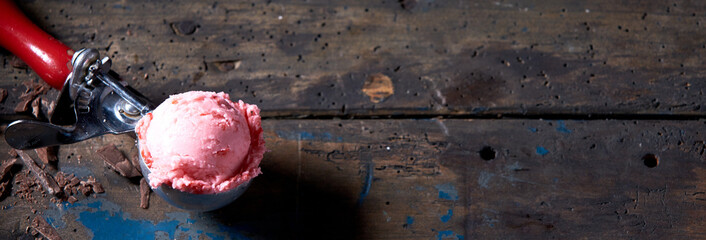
x: 421, y: 179
x: 442, y: 57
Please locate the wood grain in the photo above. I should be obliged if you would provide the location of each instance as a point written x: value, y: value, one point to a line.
x: 443, y: 58
x: 421, y: 179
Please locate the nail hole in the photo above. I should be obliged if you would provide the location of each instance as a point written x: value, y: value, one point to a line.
x: 650, y: 160
x: 487, y: 153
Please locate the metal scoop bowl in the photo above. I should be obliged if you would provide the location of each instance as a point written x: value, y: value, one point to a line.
x: 192, y: 201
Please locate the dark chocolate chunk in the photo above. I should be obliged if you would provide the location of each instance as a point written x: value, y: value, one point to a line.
x: 144, y: 194
x: 44, y: 228
x: 44, y: 178
x: 116, y: 160
x: 72, y: 199
x: 47, y: 154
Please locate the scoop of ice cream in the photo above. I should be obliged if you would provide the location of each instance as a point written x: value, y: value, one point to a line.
x: 201, y: 142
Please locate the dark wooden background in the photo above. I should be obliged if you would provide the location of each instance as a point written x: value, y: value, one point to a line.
x: 377, y: 114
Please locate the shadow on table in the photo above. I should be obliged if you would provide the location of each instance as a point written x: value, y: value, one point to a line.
x: 272, y: 209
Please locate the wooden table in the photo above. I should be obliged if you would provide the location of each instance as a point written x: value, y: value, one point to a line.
x: 409, y: 119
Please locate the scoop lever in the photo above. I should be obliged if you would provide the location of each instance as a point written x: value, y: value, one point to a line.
x: 92, y: 102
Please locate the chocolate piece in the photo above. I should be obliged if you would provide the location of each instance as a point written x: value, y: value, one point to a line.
x: 45, y: 179
x: 33, y: 90
x: 3, y: 186
x: 61, y: 179
x: 17, y: 62
x: 135, y: 160
x: 6, y: 167
x: 74, y: 181
x: 44, y: 228
x: 23, y: 105
x: 72, y: 199
x: 37, y: 108
x: 47, y: 154
x: 48, y: 106
x: 3, y: 95
x: 97, y: 188
x: 85, y: 190
x: 144, y: 194
x: 116, y: 160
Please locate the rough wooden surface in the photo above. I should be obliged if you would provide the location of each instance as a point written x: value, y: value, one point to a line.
x: 442, y: 57
x: 422, y: 179
x: 416, y: 177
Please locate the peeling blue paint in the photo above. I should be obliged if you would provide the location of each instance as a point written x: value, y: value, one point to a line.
x: 447, y: 191
x: 105, y: 225
x: 448, y: 234
x: 479, y: 109
x: 484, y: 178
x: 106, y: 220
x: 304, y: 135
x: 447, y: 217
x: 531, y: 129
x: 410, y: 220
x: 368, y: 181
x: 542, y: 151
x: 562, y: 127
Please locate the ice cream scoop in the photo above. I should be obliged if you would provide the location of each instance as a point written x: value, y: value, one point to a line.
x: 197, y: 145
x: 199, y: 150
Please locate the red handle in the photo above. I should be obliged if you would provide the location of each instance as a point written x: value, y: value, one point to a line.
x: 47, y: 56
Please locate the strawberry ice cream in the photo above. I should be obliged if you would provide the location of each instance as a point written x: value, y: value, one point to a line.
x: 201, y: 142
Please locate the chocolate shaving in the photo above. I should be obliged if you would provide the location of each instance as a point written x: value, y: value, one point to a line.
x: 116, y: 160
x: 23, y: 105
x: 37, y: 108
x: 33, y: 90
x: 48, y: 106
x: 17, y: 62
x: 47, y: 154
x: 6, y: 167
x: 3, y: 95
x: 144, y: 194
x: 3, y: 186
x: 45, y: 179
x: 72, y: 199
x: 44, y: 228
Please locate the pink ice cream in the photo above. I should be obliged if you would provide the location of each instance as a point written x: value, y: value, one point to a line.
x: 201, y: 142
